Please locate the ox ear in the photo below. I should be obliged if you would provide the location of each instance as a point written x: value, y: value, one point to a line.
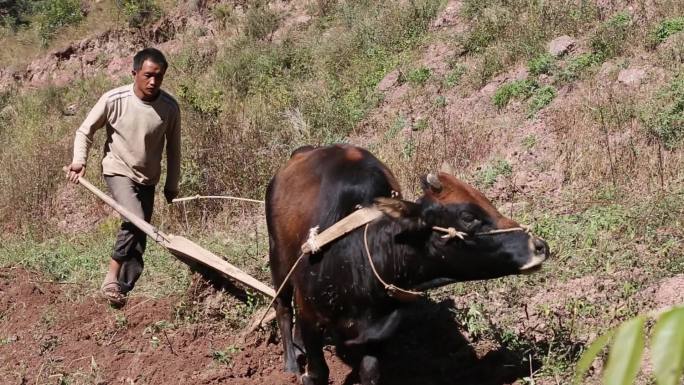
x: 397, y: 208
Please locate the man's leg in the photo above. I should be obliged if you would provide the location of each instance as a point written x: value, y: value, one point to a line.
x: 126, y: 265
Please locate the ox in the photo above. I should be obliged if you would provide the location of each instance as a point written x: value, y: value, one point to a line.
x: 335, y: 290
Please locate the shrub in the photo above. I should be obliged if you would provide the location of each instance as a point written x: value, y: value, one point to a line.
x: 519, y: 89
x: 14, y: 13
x: 140, y: 12
x: 418, y: 76
x: 664, y: 118
x: 541, y: 64
x: 56, y: 14
x: 261, y: 21
x: 608, y: 40
x: 666, y: 29
x: 541, y: 98
x: 576, y: 66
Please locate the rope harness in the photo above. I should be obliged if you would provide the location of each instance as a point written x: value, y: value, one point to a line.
x: 364, y: 216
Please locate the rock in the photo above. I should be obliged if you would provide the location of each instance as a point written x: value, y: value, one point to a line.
x: 631, y: 76
x: 561, y: 45
x: 70, y: 110
x: 389, y: 81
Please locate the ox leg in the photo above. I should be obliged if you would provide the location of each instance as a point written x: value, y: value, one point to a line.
x: 283, y: 306
x: 316, y: 369
x: 369, y: 371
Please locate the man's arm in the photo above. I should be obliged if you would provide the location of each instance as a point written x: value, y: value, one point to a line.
x: 173, y: 157
x: 84, y: 138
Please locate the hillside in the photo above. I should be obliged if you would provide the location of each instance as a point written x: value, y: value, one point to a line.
x: 568, y: 116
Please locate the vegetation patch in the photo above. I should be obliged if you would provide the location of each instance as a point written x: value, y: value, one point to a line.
x: 541, y: 64
x: 519, y: 89
x: 609, y: 39
x: 53, y: 15
x: 664, y: 118
x: 140, y: 12
x: 666, y: 29
x: 541, y: 98
x: 489, y: 175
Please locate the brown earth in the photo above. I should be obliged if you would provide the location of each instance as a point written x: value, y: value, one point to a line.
x: 53, y: 333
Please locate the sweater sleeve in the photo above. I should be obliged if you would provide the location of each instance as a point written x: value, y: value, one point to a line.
x: 173, y: 154
x: 84, y: 135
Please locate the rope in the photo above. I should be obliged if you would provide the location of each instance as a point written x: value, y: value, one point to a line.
x: 393, y: 291
x: 282, y: 285
x: 312, y: 242
x: 451, y: 232
x: 215, y: 197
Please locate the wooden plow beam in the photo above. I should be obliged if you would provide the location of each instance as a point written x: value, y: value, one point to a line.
x: 183, y: 248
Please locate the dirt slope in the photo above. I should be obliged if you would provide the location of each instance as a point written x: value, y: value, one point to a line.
x: 60, y: 333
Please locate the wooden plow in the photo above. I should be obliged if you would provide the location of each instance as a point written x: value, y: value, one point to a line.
x: 187, y: 251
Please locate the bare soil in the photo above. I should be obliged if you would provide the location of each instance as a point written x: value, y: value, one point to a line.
x: 53, y: 333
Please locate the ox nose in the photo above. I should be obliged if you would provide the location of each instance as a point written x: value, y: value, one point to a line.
x: 541, y: 248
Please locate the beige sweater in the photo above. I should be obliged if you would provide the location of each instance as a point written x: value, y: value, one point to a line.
x: 136, y: 134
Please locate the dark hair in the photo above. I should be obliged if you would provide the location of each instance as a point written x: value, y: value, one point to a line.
x: 152, y: 54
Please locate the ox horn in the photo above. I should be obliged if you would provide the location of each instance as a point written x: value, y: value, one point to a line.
x: 433, y: 181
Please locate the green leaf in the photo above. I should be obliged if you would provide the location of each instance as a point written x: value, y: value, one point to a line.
x: 590, y: 354
x: 625, y: 354
x: 667, y: 348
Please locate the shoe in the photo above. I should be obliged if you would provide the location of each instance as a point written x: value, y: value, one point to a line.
x: 112, y: 293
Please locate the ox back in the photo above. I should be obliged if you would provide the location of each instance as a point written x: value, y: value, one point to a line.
x: 318, y: 187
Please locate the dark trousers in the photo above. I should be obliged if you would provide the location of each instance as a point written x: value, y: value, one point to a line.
x: 130, y: 241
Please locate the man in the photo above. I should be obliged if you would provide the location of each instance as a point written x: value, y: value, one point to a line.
x: 140, y: 119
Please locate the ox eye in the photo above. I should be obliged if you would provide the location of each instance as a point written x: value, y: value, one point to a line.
x: 467, y: 217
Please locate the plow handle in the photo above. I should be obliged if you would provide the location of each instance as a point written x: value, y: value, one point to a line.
x: 140, y: 223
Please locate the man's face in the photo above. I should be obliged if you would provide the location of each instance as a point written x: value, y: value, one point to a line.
x: 148, y: 80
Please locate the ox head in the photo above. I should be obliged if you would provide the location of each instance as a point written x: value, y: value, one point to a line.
x: 488, y: 244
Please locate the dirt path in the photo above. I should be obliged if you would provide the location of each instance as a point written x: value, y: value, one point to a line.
x: 52, y: 333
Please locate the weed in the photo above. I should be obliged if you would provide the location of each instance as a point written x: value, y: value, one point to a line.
x: 491, y: 173
x: 541, y: 98
x: 440, y: 101
x: 121, y: 321
x: 519, y: 89
x: 208, y: 102
x: 664, y: 117
x: 529, y: 141
x: 666, y: 29
x: 420, y: 124
x: 418, y: 76
x: 541, y: 64
x: 453, y: 77
x: 225, y: 356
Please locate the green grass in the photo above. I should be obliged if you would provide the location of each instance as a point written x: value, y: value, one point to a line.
x: 609, y: 40
x: 666, y: 29
x: 541, y: 98
x: 490, y: 174
x: 541, y: 64
x: 519, y: 89
x: 664, y: 117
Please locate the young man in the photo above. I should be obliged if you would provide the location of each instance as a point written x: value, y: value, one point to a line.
x: 141, y: 119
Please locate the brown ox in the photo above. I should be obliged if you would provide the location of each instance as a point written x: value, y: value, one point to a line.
x: 335, y: 290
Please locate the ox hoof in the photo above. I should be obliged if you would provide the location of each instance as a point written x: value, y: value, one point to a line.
x: 308, y: 380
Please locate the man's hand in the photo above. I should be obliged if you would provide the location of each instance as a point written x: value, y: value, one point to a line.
x: 169, y: 195
x: 74, y: 171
